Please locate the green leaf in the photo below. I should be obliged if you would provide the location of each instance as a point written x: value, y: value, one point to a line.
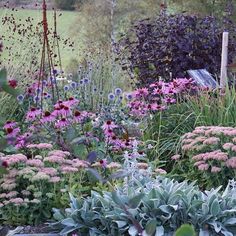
x: 3, y: 171
x: 160, y: 231
x: 68, y: 222
x: 215, y: 208
x: 96, y: 175
x: 116, y: 198
x: 151, y: 227
x: 132, y: 231
x: 185, y: 230
x: 231, y: 221
x: 121, y: 223
x: 135, y: 201
x: 3, y: 77
x: 3, y: 143
x: 6, y: 88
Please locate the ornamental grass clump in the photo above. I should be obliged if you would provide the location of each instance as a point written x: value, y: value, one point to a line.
x: 209, y: 155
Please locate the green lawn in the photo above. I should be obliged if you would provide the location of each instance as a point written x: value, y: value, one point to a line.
x: 65, y: 23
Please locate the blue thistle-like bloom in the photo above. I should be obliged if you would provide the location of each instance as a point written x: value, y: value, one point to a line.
x: 118, y: 91
x: 20, y: 98
x: 66, y: 88
x: 81, y: 82
x: 36, y: 99
x: 129, y: 96
x: 45, y: 83
x: 53, y: 80
x: 38, y: 90
x: 73, y: 84
x: 111, y: 96
x: 86, y: 81
x: 54, y: 71
x: 49, y: 96
x: 70, y: 75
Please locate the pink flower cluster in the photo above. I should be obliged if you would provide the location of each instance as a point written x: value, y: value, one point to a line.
x: 113, y: 140
x: 63, y: 115
x: 212, y: 148
x: 53, y: 168
x: 158, y: 96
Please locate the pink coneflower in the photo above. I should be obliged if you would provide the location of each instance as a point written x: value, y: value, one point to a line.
x: 142, y: 92
x: 65, y: 111
x: 12, y: 83
x: 47, y: 117
x: 10, y: 124
x: 12, y: 132
x: 169, y: 100
x: 103, y: 163
x: 63, y: 122
x: 109, y: 125
x: 32, y: 114
x: 71, y: 102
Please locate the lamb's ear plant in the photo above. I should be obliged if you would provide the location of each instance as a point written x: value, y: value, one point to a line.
x: 155, y: 207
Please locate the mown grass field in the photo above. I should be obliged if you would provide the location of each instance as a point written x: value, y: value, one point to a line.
x: 66, y: 29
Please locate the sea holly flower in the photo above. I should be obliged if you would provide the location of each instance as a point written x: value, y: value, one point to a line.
x: 111, y: 96
x: 118, y: 91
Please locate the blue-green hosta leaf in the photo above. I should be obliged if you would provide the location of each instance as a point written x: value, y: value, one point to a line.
x: 185, y: 230
x: 151, y: 227
x: 215, y: 208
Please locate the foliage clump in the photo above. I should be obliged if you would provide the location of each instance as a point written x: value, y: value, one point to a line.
x: 172, y: 44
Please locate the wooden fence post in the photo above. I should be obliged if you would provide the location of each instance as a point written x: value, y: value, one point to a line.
x: 224, y: 60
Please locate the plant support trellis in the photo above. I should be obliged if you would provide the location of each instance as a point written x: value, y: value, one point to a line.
x: 47, y: 70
